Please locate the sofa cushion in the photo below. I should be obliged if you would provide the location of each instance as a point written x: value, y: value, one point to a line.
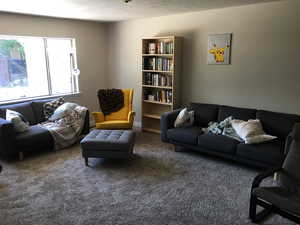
x: 38, y: 109
x: 24, y: 108
x: 187, y: 135
x: 268, y: 152
x: 219, y: 143
x: 35, y: 137
x: 277, y: 124
x: 236, y: 113
x: 204, y: 113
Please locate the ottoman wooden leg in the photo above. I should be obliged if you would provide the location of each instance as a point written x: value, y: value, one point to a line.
x: 86, y: 159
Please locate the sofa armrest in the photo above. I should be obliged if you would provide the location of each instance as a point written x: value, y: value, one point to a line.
x: 86, y: 126
x: 7, y: 135
x: 167, y: 122
x: 98, y: 116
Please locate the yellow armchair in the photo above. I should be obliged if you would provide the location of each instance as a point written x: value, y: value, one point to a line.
x: 122, y: 119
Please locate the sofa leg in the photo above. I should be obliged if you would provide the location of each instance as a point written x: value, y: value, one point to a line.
x: 21, y: 156
x: 179, y: 149
x: 86, y: 159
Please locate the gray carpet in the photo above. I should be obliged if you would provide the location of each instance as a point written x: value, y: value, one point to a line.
x: 158, y: 186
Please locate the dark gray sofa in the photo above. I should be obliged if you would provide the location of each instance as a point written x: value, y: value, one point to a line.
x: 264, y: 155
x: 36, y: 138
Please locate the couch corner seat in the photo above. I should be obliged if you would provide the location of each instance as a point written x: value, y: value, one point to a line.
x: 218, y: 143
x: 187, y: 135
x: 270, y: 152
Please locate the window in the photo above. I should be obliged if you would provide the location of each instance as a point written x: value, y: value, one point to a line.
x: 35, y: 67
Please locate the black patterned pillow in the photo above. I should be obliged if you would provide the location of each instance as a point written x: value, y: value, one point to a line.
x: 49, y: 107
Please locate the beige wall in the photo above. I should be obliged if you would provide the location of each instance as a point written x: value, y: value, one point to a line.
x: 91, y: 42
x: 265, y: 55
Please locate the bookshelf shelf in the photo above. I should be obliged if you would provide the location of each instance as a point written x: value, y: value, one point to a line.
x: 161, y: 67
x: 153, y: 86
x: 158, y: 71
x: 159, y: 55
x: 151, y: 130
x: 157, y: 102
x: 153, y: 116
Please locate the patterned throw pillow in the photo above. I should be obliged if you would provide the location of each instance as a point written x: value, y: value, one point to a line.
x: 49, y: 107
x: 251, y: 131
x: 184, y: 119
x: 16, y: 119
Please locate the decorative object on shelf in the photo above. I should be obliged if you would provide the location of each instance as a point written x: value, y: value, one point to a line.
x: 160, y: 79
x: 219, y: 49
x: 152, y: 48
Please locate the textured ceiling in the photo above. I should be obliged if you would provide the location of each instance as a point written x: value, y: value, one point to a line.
x: 114, y: 10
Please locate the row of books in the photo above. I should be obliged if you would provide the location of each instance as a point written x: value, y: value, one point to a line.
x: 164, y: 96
x: 154, y: 63
x: 161, y: 47
x: 155, y: 79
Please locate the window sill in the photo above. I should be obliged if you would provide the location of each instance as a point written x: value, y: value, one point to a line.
x: 39, y: 98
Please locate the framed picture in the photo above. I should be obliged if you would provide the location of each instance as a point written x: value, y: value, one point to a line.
x: 219, y: 49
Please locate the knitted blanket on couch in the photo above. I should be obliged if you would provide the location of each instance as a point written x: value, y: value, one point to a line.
x: 66, y: 130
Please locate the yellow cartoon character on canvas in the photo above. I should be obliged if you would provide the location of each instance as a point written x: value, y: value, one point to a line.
x: 218, y: 53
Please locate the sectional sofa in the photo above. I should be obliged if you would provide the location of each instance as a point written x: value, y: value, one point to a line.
x: 262, y: 155
x: 36, y: 138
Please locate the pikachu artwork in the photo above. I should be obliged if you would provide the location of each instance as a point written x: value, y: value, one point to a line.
x: 219, y: 49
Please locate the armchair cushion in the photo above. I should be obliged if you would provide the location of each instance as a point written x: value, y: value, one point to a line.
x: 115, y: 124
x: 122, y: 114
x: 280, y: 197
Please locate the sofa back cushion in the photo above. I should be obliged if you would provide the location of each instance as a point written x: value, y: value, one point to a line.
x: 24, y: 108
x: 38, y: 109
x: 204, y: 113
x: 236, y: 113
x: 277, y: 124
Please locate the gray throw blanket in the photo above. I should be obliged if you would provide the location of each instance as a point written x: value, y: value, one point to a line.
x: 223, y: 128
x: 110, y: 100
x: 67, y: 129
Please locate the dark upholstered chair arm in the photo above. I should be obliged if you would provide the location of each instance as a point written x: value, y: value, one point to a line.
x: 259, y: 178
x: 6, y: 137
x: 166, y: 122
x: 86, y: 126
x: 288, y: 142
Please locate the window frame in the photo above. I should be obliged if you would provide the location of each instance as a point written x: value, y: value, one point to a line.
x: 73, y: 64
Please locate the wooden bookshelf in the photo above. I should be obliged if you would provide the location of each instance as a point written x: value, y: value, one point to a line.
x: 161, y: 69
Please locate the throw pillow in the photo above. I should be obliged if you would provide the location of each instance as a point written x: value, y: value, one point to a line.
x: 251, y: 131
x: 63, y: 110
x: 184, y: 119
x: 16, y: 119
x: 49, y: 107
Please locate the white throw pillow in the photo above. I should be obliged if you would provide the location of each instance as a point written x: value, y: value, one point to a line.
x: 18, y: 124
x: 63, y: 110
x: 184, y: 119
x: 251, y: 131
